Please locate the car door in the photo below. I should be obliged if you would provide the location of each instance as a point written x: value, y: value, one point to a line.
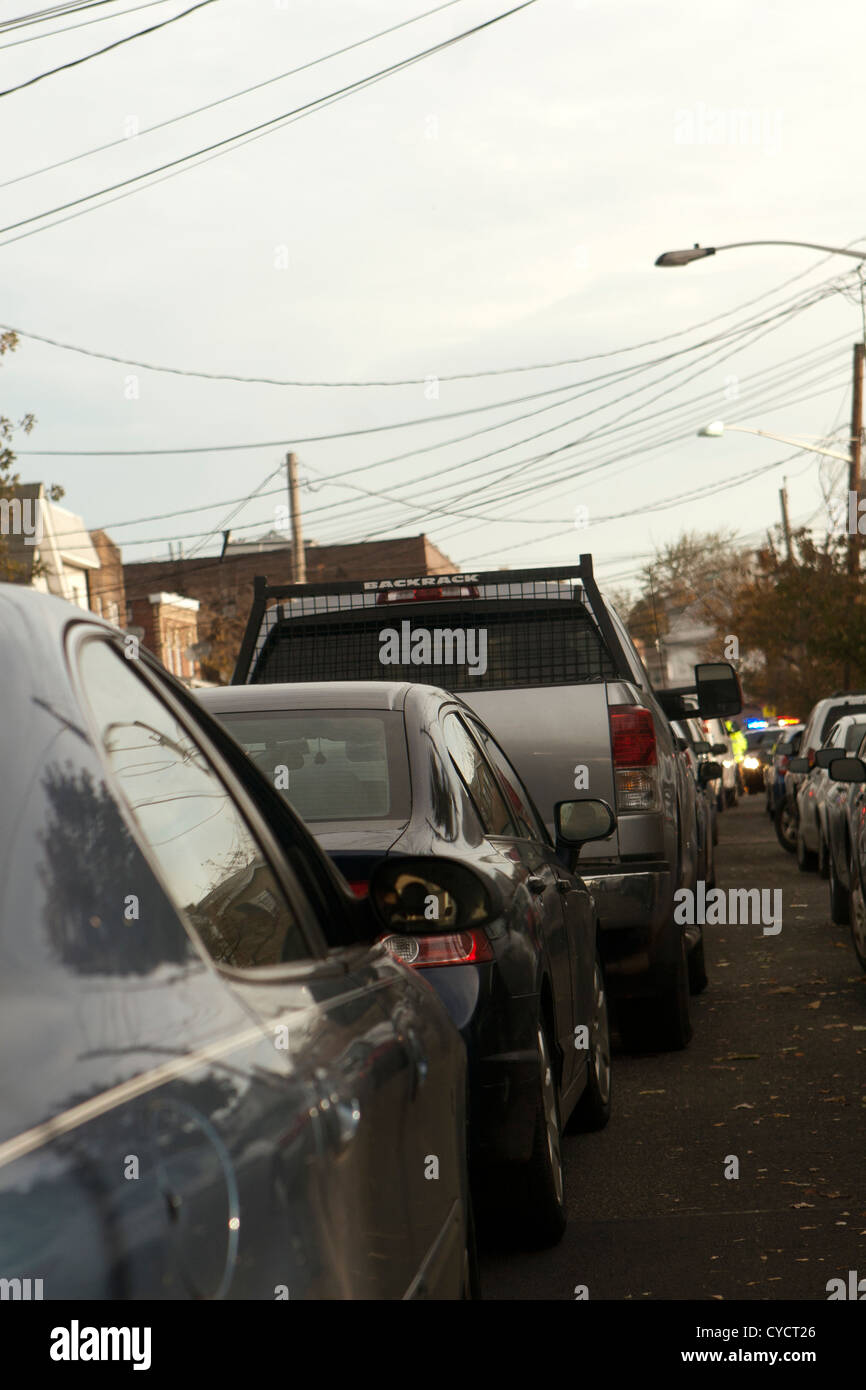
x: 327, y: 1036
x: 511, y: 835
x: 575, y: 899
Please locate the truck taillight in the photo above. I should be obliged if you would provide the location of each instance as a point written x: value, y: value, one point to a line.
x: 635, y: 760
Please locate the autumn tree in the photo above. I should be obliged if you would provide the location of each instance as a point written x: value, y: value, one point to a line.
x: 803, y: 620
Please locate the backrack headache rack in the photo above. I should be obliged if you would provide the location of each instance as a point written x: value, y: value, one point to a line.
x: 274, y: 604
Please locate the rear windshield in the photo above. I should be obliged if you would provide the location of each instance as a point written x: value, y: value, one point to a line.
x: 836, y: 712
x: 343, y: 765
x: 469, y: 648
x: 762, y: 738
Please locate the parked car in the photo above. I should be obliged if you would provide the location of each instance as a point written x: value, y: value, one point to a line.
x: 564, y: 691
x: 852, y: 771
x: 819, y: 722
x: 786, y: 746
x: 816, y: 791
x: 215, y: 1083
x: 728, y: 787
x: 709, y: 781
x: 409, y: 771
x: 841, y: 833
x: 705, y: 802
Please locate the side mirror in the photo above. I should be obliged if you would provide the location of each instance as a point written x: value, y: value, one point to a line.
x: 784, y: 750
x: 682, y: 743
x: 423, y: 894
x: 708, y: 772
x: 798, y: 765
x: 578, y: 822
x: 847, y: 770
x: 719, y: 692
x: 825, y: 756
x: 701, y: 746
x: 718, y: 748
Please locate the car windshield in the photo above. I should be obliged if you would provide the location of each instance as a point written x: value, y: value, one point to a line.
x: 338, y: 765
x: 761, y: 738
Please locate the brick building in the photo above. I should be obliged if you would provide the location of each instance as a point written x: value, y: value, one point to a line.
x: 224, y: 585
x: 169, y: 623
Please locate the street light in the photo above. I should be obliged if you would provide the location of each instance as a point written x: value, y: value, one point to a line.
x: 697, y: 253
x: 717, y: 428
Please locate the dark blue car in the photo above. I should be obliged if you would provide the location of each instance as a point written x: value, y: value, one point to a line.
x: 406, y: 771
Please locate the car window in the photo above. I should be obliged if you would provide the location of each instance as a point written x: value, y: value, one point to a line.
x: 477, y: 777
x: 527, y: 823
x: 212, y: 865
x: 853, y: 737
x: 330, y: 765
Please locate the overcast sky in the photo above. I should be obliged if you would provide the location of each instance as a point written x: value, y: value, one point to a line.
x: 499, y: 204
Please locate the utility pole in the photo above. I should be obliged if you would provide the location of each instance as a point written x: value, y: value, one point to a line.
x: 299, y: 559
x: 856, y: 445
x: 783, y: 498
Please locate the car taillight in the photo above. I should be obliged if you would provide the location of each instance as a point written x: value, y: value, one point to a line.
x: 783, y: 762
x: 635, y: 761
x: 359, y: 887
x: 457, y: 948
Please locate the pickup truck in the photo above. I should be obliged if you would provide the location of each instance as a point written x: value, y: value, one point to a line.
x: 550, y: 668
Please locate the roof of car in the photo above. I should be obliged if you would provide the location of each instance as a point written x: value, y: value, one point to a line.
x: 318, y: 695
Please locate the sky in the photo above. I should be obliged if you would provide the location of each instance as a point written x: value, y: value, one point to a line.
x: 498, y: 204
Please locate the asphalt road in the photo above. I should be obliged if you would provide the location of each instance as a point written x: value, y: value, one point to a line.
x: 774, y: 1076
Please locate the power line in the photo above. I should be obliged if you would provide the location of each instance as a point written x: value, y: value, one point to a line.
x: 220, y: 101
x: 773, y: 320
x: 53, y: 12
x: 263, y: 127
x: 839, y: 282
x: 128, y: 38
x: 73, y: 28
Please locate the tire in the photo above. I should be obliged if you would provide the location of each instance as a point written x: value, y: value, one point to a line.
x: 697, y: 967
x: 858, y: 917
x: 660, y: 1024
x: 592, y: 1111
x: 715, y: 830
x: 840, y: 900
x: 720, y: 799
x: 730, y: 796
x: 807, y: 859
x: 785, y: 822
x: 823, y: 858
x: 524, y: 1204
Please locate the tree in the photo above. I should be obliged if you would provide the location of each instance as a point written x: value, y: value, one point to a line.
x: 10, y: 570
x: 804, y: 620
x: 697, y: 573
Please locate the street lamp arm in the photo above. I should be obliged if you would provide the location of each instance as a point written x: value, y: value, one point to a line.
x: 796, y: 443
x: 809, y: 245
x: 697, y: 253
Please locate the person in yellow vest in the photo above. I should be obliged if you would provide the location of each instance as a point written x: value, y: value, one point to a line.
x: 739, y: 744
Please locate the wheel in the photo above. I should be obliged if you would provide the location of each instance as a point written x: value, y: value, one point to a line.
x: 593, y: 1109
x: 823, y: 858
x: 524, y: 1204
x: 659, y: 1024
x: 858, y: 916
x: 715, y: 830
x: 807, y: 859
x: 840, y: 903
x: 720, y: 799
x: 730, y: 796
x: 785, y: 821
x: 697, y: 967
